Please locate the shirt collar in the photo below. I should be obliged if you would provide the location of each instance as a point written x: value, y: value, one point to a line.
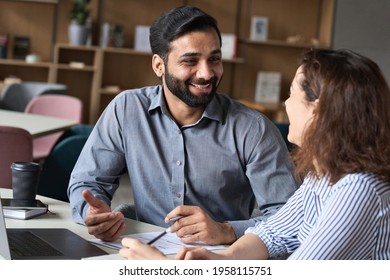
x: 158, y: 100
x: 215, y: 110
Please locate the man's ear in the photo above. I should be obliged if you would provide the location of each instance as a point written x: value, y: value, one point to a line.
x: 158, y: 65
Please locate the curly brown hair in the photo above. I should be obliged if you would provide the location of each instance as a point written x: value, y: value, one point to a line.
x: 350, y: 132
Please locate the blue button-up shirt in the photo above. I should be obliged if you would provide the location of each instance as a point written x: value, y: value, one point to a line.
x: 230, y: 160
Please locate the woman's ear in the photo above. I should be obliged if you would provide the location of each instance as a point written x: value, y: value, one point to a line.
x: 158, y: 65
x: 316, y: 102
x: 314, y: 105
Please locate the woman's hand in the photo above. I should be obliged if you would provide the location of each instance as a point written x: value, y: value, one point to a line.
x: 198, y: 253
x: 134, y: 249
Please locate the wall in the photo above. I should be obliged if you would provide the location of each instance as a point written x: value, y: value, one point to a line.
x: 363, y: 26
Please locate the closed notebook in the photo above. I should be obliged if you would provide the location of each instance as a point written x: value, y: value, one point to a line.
x: 24, y: 214
x: 23, y: 208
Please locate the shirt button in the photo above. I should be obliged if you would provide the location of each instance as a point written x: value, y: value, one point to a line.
x: 178, y: 195
x: 178, y: 162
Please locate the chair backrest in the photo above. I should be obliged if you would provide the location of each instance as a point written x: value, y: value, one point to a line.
x: 81, y: 129
x: 283, y: 129
x: 58, y: 166
x: 15, y: 145
x: 16, y: 96
x: 55, y: 105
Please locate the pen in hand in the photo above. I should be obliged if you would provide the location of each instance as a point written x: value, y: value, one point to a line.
x: 174, y: 219
x: 168, y: 230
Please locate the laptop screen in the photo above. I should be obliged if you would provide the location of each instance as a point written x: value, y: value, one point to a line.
x: 4, y: 247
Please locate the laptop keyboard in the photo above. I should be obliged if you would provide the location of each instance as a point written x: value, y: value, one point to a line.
x: 25, y: 243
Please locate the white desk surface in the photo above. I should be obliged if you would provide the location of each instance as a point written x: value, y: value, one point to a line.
x: 62, y: 219
x: 37, y: 125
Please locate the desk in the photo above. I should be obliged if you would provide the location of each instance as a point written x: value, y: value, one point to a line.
x: 37, y: 125
x: 62, y: 219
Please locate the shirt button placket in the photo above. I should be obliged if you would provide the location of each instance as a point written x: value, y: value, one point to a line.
x: 178, y: 169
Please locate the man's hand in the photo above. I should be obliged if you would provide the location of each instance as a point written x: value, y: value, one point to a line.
x: 196, y: 225
x: 101, y: 221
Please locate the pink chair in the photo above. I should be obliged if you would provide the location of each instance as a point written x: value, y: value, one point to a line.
x: 15, y: 145
x: 54, y: 105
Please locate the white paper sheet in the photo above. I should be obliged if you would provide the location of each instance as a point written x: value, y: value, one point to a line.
x: 168, y: 244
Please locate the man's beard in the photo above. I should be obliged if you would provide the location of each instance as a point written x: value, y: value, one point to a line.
x: 180, y: 89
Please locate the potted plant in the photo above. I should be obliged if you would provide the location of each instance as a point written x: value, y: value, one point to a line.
x: 79, y: 17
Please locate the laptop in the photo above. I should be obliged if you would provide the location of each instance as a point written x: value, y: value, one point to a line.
x: 43, y: 243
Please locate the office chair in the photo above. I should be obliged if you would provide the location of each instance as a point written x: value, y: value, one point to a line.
x: 58, y: 166
x: 80, y: 129
x: 55, y: 105
x: 15, y: 145
x: 16, y: 96
x: 283, y: 129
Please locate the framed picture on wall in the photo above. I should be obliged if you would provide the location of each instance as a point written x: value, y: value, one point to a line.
x: 268, y: 86
x: 141, y: 38
x: 259, y: 28
x: 229, y: 45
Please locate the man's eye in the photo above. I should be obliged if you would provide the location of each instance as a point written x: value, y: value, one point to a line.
x: 190, y: 61
x: 215, y: 59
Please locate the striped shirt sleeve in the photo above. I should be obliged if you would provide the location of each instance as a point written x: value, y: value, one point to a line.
x: 348, y: 225
x: 280, y: 231
x: 348, y: 220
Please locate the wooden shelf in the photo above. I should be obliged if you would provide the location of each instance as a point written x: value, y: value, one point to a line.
x: 309, y: 22
x: 262, y: 107
x: 79, y: 68
x: 18, y: 62
x: 110, y: 91
x: 124, y: 68
x: 39, y: 71
x: 279, y: 43
x: 73, y: 68
x: 274, y: 111
x: 41, y: 1
x: 128, y: 51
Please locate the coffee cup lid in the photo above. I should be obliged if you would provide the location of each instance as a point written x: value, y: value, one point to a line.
x: 25, y: 166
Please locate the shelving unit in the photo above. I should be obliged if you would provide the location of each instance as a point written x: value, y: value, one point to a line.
x: 308, y: 21
x: 36, y: 19
x: 107, y: 71
x: 27, y: 71
x: 123, y: 69
x: 79, y: 68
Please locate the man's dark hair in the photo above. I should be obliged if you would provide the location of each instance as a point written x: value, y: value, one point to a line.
x: 175, y: 23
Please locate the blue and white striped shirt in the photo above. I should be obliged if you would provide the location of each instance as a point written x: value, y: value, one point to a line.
x: 349, y: 220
